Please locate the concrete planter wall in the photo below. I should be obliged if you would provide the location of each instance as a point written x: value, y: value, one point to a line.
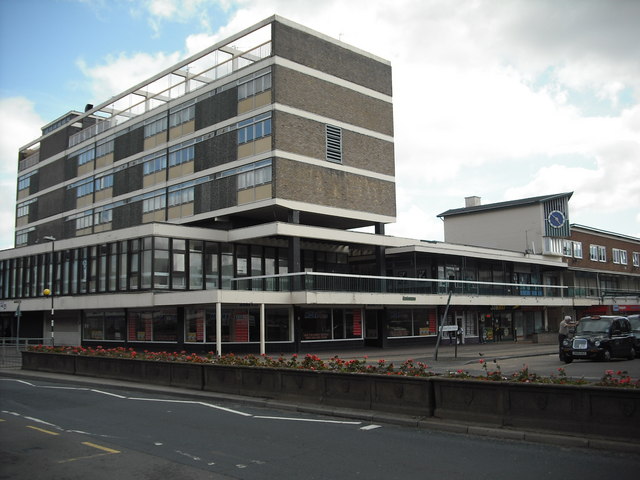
x: 607, y: 412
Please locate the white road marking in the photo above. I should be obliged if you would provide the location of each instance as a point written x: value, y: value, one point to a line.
x: 370, y: 427
x: 204, y: 404
x: 188, y: 455
x: 307, y: 420
x: 108, y: 393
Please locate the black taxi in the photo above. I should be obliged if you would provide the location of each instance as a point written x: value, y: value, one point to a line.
x: 600, y: 338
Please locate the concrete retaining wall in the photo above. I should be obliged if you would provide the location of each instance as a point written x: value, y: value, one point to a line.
x: 568, y: 409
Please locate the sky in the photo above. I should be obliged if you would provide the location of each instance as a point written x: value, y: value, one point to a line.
x: 497, y: 99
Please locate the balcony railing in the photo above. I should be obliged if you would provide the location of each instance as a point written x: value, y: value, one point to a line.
x: 334, y: 282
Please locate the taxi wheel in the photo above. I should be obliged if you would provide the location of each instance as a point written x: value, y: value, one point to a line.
x: 606, y: 355
x: 568, y: 358
x: 632, y: 354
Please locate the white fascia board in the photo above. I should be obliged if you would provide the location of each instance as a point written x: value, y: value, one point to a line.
x: 478, y: 252
x: 305, y: 231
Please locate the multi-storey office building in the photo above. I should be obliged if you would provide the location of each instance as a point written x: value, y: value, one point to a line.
x: 210, y: 208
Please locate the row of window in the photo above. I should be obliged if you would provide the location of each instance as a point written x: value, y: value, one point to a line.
x: 159, y: 263
x: 237, y: 325
x: 598, y: 253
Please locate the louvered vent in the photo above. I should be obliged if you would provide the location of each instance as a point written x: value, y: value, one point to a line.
x: 334, y: 144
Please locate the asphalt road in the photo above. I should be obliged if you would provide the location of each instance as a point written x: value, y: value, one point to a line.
x: 65, y: 430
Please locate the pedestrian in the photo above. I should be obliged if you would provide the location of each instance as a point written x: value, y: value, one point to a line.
x: 481, y: 333
x: 567, y: 326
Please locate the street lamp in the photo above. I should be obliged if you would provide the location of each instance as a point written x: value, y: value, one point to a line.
x: 49, y: 291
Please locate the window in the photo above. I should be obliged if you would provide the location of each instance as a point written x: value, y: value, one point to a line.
x: 104, y: 216
x: 104, y: 182
x: 104, y: 148
x: 155, y: 126
x: 255, y: 177
x: 86, y: 156
x: 577, y: 249
x: 250, y: 167
x: 178, y: 195
x: 181, y: 156
x: 84, y: 188
x: 254, y: 86
x: 334, y: 143
x: 154, y: 164
x: 152, y: 204
x: 24, y: 182
x: 22, y: 236
x: 254, y: 128
x: 184, y: 115
x: 23, y: 208
x: 597, y: 253
x: 567, y: 248
x: 619, y: 256
x: 85, y: 220
x: 636, y: 259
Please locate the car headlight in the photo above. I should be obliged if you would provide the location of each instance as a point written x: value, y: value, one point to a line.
x: 566, y: 342
x: 597, y: 343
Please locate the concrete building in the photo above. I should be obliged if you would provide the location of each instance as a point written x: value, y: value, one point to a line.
x: 212, y: 208
x: 601, y: 265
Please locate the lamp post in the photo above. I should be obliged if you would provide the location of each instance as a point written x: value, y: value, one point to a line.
x: 18, y: 314
x: 49, y: 291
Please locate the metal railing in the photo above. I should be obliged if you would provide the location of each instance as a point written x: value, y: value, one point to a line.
x: 335, y: 282
x: 11, y: 349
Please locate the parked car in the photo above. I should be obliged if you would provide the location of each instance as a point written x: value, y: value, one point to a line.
x: 635, y: 329
x: 600, y: 338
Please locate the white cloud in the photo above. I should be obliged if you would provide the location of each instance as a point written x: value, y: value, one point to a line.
x: 19, y: 125
x: 495, y: 99
x: 121, y: 72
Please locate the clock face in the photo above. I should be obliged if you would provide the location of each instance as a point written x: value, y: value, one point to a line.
x: 556, y: 219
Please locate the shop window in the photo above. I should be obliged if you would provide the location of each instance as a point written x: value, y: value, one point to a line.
x: 104, y: 326
x: 152, y: 326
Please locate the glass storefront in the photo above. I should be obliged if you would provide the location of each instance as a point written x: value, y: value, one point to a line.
x: 412, y: 322
x: 331, y: 324
x: 108, y: 325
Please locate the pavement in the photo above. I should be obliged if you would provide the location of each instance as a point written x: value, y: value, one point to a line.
x: 449, y: 357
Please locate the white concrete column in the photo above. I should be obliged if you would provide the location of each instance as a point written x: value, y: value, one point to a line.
x: 219, y: 328
x: 263, y: 330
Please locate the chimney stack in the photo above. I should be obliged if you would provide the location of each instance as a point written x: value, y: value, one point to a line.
x: 472, y: 201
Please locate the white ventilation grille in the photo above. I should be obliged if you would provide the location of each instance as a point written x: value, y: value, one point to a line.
x: 334, y: 144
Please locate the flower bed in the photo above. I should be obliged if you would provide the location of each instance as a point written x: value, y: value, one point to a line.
x: 524, y: 400
x: 310, y: 362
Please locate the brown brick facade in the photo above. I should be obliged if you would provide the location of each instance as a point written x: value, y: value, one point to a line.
x: 307, y: 137
x: 588, y: 238
x: 333, y: 188
x: 315, y: 96
x: 320, y: 54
